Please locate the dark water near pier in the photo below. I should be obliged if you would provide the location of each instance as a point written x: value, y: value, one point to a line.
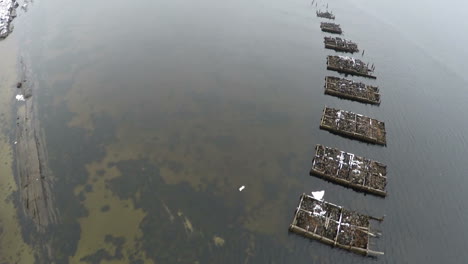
x: 156, y: 112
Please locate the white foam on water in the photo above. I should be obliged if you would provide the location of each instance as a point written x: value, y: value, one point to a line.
x: 19, y: 97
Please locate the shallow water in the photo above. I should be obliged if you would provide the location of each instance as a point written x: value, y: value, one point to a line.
x: 155, y: 113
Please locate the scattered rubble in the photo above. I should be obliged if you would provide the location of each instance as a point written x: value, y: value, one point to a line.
x: 349, y: 65
x: 325, y: 14
x: 331, y: 28
x: 333, y: 225
x: 350, y: 170
x: 352, y: 90
x: 340, y: 44
x: 353, y: 125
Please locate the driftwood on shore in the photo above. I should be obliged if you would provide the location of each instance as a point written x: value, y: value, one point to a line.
x: 350, y: 170
x: 334, y: 226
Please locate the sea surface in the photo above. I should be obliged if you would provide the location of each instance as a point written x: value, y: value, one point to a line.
x: 156, y: 112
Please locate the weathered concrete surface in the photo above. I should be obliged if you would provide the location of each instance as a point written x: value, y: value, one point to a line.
x: 7, y: 13
x: 35, y: 179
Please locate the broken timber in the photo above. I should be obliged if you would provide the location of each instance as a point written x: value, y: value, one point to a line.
x: 350, y: 170
x: 326, y: 14
x: 349, y: 89
x: 353, y: 125
x: 340, y: 44
x: 35, y: 178
x: 331, y: 27
x: 333, y: 225
x: 349, y: 65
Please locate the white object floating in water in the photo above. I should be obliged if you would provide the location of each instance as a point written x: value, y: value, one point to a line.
x: 20, y: 97
x: 241, y: 188
x: 16, y: 142
x: 318, y: 195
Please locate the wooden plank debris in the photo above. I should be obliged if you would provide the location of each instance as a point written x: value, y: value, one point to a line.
x: 331, y: 28
x: 354, y: 126
x: 325, y: 14
x: 349, y: 65
x: 352, y: 90
x: 350, y: 170
x: 340, y: 44
x: 334, y: 225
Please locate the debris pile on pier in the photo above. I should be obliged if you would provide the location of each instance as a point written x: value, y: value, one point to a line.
x: 321, y: 220
x: 340, y: 44
x: 352, y: 90
x: 349, y: 65
x: 325, y: 14
x: 7, y: 13
x: 331, y: 27
x: 333, y: 225
x: 353, y: 125
x: 350, y: 170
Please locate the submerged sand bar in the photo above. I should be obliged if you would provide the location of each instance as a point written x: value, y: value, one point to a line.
x: 352, y: 90
x: 333, y: 225
x: 354, y: 126
x: 350, y: 170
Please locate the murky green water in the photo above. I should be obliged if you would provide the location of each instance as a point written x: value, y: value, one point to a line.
x: 155, y: 113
